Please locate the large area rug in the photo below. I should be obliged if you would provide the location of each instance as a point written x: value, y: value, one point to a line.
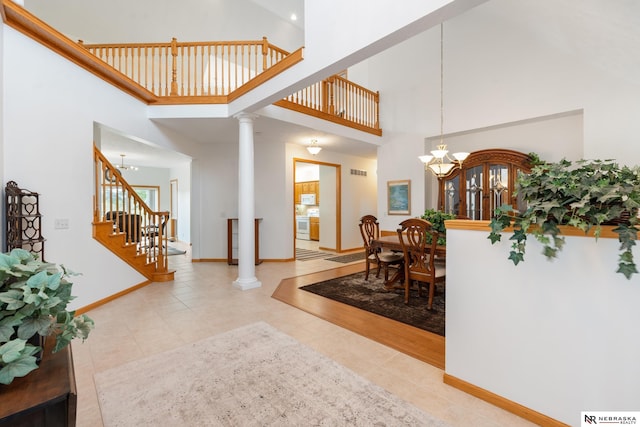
x: 251, y: 376
x: 371, y: 296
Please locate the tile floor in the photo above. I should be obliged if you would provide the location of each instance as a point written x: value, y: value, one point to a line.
x: 201, y: 302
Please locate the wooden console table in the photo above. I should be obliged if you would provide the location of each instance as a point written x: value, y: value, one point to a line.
x: 45, y: 397
x: 234, y: 261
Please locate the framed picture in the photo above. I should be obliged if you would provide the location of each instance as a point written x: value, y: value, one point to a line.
x: 399, y: 197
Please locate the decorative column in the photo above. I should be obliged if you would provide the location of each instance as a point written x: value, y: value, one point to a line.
x: 246, y: 206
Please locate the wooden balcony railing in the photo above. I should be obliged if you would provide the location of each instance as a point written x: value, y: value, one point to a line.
x: 190, y: 68
x: 203, y: 72
x: 115, y: 201
x: 339, y: 100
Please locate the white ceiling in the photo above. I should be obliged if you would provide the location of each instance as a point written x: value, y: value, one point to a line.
x: 211, y: 131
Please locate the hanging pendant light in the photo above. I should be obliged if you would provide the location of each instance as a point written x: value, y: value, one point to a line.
x: 439, y: 162
x: 122, y: 166
x: 314, y: 148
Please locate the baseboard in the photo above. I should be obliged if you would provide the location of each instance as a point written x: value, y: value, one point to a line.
x: 110, y: 298
x: 501, y: 402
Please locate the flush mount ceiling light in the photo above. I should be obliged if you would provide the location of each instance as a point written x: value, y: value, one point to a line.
x: 122, y: 166
x: 314, y: 148
x: 439, y: 162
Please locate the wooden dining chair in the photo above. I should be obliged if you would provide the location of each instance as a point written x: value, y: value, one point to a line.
x: 370, y: 230
x: 420, y: 264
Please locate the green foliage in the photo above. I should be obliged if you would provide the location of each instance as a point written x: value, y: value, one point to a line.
x: 586, y: 195
x: 437, y: 219
x: 33, y: 300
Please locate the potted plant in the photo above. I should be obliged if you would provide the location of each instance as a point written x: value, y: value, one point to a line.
x: 437, y: 219
x: 586, y: 195
x: 33, y: 300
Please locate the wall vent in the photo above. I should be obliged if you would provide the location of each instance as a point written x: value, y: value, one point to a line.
x: 358, y: 172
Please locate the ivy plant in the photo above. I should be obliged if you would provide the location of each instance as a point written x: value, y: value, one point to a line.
x: 437, y: 219
x: 33, y: 300
x: 586, y: 194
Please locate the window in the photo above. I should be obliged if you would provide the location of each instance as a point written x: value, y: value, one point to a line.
x: 150, y: 196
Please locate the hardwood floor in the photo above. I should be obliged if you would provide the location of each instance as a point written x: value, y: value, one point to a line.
x: 409, y: 340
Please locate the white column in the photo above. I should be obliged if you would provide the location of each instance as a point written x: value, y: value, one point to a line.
x: 246, y: 207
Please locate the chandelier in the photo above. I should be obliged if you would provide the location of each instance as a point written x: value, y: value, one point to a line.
x: 122, y: 166
x: 314, y: 148
x: 439, y: 162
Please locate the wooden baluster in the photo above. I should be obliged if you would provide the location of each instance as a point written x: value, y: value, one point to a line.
x: 377, y: 110
x: 215, y: 70
x: 174, y: 67
x: 265, y: 52
x: 325, y: 96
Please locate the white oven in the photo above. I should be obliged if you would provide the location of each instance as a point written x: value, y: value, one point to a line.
x: 302, y: 228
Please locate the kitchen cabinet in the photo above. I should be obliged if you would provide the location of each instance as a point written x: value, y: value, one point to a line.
x: 297, y: 192
x: 308, y: 187
x: 314, y: 228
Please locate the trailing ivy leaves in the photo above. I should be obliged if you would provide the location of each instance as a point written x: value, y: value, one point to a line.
x: 585, y: 195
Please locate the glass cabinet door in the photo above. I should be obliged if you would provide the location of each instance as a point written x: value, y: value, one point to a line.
x: 452, y: 196
x: 474, y: 192
x: 489, y: 182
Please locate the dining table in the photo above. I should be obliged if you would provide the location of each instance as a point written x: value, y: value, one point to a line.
x: 391, y: 242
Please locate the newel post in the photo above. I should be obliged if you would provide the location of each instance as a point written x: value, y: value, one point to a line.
x: 174, y: 67
x: 327, y: 95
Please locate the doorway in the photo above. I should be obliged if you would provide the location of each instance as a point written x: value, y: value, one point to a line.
x: 173, y: 212
x: 317, y: 205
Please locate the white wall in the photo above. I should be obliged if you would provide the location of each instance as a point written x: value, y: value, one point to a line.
x: 3, y: 222
x: 499, y: 68
x: 50, y: 108
x: 183, y: 214
x: 122, y: 21
x: 328, y: 207
x: 554, y: 336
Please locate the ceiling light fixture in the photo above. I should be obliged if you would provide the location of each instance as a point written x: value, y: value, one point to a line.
x: 294, y: 17
x: 439, y: 162
x: 122, y: 166
x: 314, y: 148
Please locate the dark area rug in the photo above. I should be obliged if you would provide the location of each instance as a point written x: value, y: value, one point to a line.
x: 371, y: 296
x: 348, y: 258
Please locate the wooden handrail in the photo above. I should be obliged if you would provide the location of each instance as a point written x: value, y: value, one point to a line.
x: 117, y: 202
x: 177, y: 73
x: 190, y: 68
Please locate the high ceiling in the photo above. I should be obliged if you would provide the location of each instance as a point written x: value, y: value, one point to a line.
x: 204, y: 131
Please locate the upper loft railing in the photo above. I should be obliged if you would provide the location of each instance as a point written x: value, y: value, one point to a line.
x: 339, y: 100
x: 203, y: 72
x: 190, y: 68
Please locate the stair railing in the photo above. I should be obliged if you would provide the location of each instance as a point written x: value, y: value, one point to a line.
x: 117, y: 202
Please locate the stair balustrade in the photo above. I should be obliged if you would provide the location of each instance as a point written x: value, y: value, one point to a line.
x: 126, y: 225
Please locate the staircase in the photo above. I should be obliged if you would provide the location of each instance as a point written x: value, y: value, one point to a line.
x: 125, y: 225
